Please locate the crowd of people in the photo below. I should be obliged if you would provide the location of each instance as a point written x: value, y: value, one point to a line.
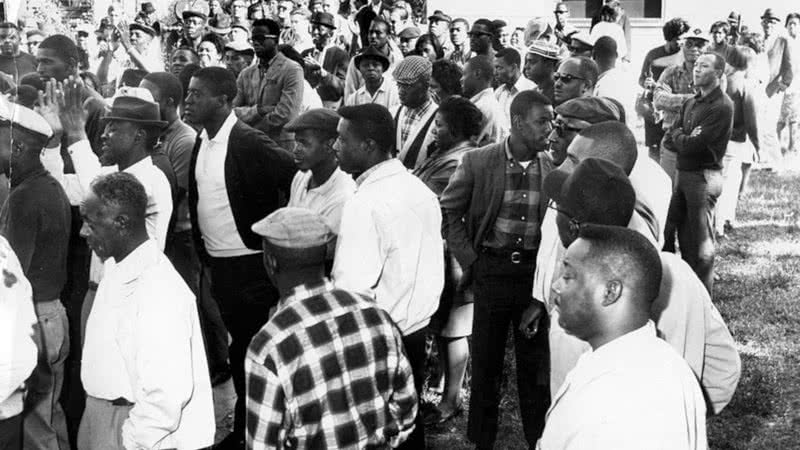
x: 296, y: 195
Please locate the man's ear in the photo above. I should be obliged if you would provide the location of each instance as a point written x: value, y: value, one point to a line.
x: 612, y: 292
x: 122, y: 222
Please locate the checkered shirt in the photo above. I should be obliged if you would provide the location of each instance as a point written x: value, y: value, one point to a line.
x: 518, y: 223
x: 409, y: 118
x: 328, y: 371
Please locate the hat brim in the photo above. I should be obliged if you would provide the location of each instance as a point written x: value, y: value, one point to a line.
x: 324, y: 24
x: 771, y: 18
x: 383, y: 60
x: 153, y: 123
x: 554, y: 183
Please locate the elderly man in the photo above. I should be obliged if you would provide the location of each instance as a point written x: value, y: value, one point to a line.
x: 633, y: 389
x: 270, y: 94
x: 378, y: 38
x: 320, y: 185
x: 700, y: 136
x: 389, y: 244
x: 575, y: 77
x: 36, y: 221
x: 371, y: 400
x: 477, y: 87
x: 144, y: 369
x: 509, y: 78
x: 493, y: 207
x: 414, y: 118
x: 325, y: 63
x: 541, y: 63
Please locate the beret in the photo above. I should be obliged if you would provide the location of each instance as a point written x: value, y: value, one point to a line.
x: 410, y: 33
x: 315, y: 119
x: 590, y: 109
x: 294, y: 228
x: 412, y: 68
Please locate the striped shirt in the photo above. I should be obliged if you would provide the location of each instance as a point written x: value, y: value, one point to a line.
x: 517, y: 224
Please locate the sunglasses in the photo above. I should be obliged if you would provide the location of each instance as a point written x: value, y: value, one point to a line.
x: 262, y: 37
x: 478, y: 34
x: 565, y: 77
x: 562, y: 128
x: 574, y: 224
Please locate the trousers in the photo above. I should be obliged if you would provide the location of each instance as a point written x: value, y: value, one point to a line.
x: 414, y: 344
x: 101, y: 425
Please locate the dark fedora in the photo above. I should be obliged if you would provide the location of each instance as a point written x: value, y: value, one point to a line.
x: 373, y: 53
x: 142, y: 27
x: 148, y: 8
x: 324, y: 19
x: 770, y: 15
x: 133, y: 104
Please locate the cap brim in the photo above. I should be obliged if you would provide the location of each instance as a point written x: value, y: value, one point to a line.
x: 219, y: 30
x: 553, y: 184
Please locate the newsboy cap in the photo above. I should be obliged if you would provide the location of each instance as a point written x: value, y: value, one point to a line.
x: 590, y: 109
x: 322, y: 119
x: 413, y: 68
x: 294, y: 228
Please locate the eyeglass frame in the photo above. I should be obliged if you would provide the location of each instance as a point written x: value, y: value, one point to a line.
x: 568, y: 77
x: 561, y: 127
x: 574, y: 224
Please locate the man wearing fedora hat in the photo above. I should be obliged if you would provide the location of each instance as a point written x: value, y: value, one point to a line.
x: 377, y: 87
x: 780, y: 77
x: 326, y: 63
x: 378, y: 38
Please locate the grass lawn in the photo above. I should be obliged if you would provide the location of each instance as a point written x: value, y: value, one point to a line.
x: 758, y: 294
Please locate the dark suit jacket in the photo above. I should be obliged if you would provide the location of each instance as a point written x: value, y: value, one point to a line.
x: 331, y: 86
x: 472, y: 199
x: 258, y: 176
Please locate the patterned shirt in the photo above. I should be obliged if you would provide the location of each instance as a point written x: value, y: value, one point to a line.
x: 674, y: 87
x: 517, y: 224
x: 328, y: 371
x: 409, y: 118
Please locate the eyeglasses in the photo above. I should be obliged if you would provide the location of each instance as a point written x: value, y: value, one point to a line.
x: 561, y: 128
x: 574, y: 224
x: 478, y: 34
x: 560, y: 12
x: 565, y: 77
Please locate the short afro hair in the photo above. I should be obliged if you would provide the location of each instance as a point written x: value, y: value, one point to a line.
x: 63, y: 45
x: 510, y: 56
x: 219, y: 81
x: 674, y: 28
x: 524, y: 101
x: 168, y: 85
x: 124, y: 191
x: 372, y: 121
x: 463, y: 118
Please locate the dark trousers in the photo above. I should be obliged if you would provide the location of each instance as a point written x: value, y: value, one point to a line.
x: 244, y: 295
x: 181, y: 252
x: 502, y: 293
x: 11, y: 433
x: 691, y: 214
x: 414, y: 344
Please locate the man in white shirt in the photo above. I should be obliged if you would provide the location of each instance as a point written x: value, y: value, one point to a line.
x: 477, y: 84
x: 633, y: 390
x: 390, y: 239
x: 378, y: 38
x: 319, y: 185
x: 508, y: 74
x: 379, y: 87
x: 614, y: 82
x: 143, y: 368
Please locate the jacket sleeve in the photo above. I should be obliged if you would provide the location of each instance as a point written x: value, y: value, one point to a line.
x: 714, y: 127
x: 247, y: 113
x: 787, y: 64
x: 290, y: 102
x: 455, y: 201
x: 722, y: 366
x: 361, y: 251
x: 278, y: 164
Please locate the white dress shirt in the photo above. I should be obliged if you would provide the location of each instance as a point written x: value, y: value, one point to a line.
x: 493, y: 127
x: 386, y: 95
x: 214, y: 213
x: 87, y: 168
x: 390, y: 243
x: 506, y: 95
x: 616, y: 83
x: 17, y: 321
x: 143, y: 343
x: 327, y: 200
x: 634, y: 392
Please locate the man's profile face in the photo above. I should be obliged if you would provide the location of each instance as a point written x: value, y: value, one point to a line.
x: 236, y: 62
x: 51, y: 65
x: 310, y: 150
x: 576, y: 292
x: 200, y: 103
x: 503, y: 72
x: 562, y: 14
x: 9, y: 41
x: 480, y: 39
x: 413, y: 95
x: 117, y: 140
x: 535, y: 127
x: 570, y: 82
x: 349, y: 148
x: 100, y: 227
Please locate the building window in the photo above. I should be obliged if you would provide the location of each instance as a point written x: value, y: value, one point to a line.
x: 650, y: 9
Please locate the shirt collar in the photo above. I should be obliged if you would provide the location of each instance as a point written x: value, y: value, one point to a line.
x: 304, y: 291
x: 710, y: 97
x: 510, y: 157
x: 328, y: 185
x: 481, y: 94
x: 224, y: 131
x: 375, y: 170
x: 137, y: 261
x: 144, y: 165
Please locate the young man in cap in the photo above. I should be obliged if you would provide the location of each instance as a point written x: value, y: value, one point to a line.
x: 270, y: 94
x: 408, y: 40
x: 502, y: 34
x: 149, y: 17
x: 541, y: 63
x: 493, y: 206
x: 580, y: 44
x: 781, y: 75
x: 673, y: 88
x: 368, y: 402
x: 633, y: 388
x: 389, y: 245
x: 614, y: 82
x: 378, y: 87
x: 13, y: 61
x: 415, y: 115
x: 36, y: 221
x: 459, y: 29
x: 320, y: 185
x: 481, y: 37
x: 237, y: 175
x: 239, y: 55
x: 144, y: 369
x: 326, y: 63
x: 509, y: 79
x: 576, y: 77
x: 378, y: 38
x: 477, y: 87
x: 194, y: 23
x: 439, y: 28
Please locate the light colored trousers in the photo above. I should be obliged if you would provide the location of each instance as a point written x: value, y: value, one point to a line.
x: 732, y: 174
x: 101, y: 425
x: 769, y: 145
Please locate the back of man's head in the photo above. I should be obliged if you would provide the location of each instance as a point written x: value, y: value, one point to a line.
x: 169, y: 87
x: 612, y: 141
x: 605, y: 50
x: 482, y: 66
x: 218, y: 80
x: 588, y: 69
x: 371, y: 121
x: 132, y: 77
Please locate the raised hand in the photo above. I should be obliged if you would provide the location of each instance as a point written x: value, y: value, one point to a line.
x: 71, y: 112
x: 49, y: 110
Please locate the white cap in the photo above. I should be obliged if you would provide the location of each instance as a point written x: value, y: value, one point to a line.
x: 23, y: 117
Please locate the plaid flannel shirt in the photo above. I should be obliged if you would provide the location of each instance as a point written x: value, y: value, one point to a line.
x: 409, y: 117
x: 328, y: 371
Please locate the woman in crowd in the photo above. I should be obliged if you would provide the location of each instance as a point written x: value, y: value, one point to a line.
x: 445, y: 80
x: 211, y: 51
x: 427, y: 47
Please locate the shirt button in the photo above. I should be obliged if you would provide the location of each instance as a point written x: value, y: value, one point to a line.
x: 523, y: 217
x: 524, y: 195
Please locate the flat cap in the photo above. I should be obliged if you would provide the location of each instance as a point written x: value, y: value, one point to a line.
x: 590, y: 109
x: 142, y: 27
x: 583, y: 37
x: 412, y: 68
x: 544, y: 49
x: 22, y: 117
x: 410, y: 33
x: 324, y: 19
x: 294, y: 228
x: 315, y: 119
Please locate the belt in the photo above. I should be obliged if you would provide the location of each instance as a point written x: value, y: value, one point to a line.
x: 121, y: 401
x: 514, y: 256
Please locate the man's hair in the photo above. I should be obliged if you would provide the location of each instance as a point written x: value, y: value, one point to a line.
x: 510, y: 56
x: 218, y: 80
x: 269, y: 23
x: 673, y: 28
x: 132, y: 77
x: 187, y: 49
x: 32, y: 79
x: 726, y: 27
x: 215, y: 39
x: 791, y: 16
x: 124, y: 191
x: 626, y: 255
x: 612, y: 141
x: 4, y: 25
x: 608, y: 14
x: 525, y: 101
x: 719, y: 60
x: 448, y: 75
x: 461, y: 115
x: 588, y: 69
x: 186, y: 75
x: 460, y: 20
x: 371, y: 121
x: 605, y: 48
x: 484, y: 65
x: 169, y: 85
x: 63, y: 45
